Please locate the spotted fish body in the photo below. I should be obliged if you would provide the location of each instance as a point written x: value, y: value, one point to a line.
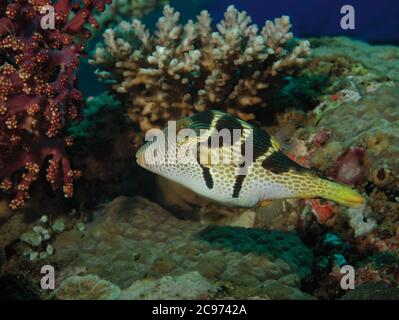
x: 267, y: 175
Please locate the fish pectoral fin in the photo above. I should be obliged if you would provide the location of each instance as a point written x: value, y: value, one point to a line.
x: 264, y: 203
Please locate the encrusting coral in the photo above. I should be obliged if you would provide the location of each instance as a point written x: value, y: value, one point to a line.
x: 187, y: 68
x: 351, y: 136
x: 38, y: 91
x: 144, y: 241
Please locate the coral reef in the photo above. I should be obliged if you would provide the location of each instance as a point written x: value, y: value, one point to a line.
x: 138, y: 8
x: 88, y: 287
x: 278, y: 290
x: 350, y: 136
x: 360, y: 220
x: 366, y: 132
x: 183, y: 69
x: 364, y: 59
x: 361, y: 150
x: 373, y: 291
x: 274, y: 244
x: 145, y: 241
x: 120, y: 10
x: 333, y: 109
x: 38, y: 93
x: 333, y: 250
x: 349, y: 167
x: 381, y: 267
x: 191, y: 285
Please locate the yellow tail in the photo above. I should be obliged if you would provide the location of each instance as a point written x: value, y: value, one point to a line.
x: 340, y: 193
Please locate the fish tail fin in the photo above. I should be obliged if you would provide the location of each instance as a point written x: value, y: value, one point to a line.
x: 338, y: 192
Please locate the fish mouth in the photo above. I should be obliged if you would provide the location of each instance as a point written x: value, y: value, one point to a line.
x: 140, y: 158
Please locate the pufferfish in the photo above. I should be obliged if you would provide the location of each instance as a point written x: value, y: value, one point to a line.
x: 198, y: 163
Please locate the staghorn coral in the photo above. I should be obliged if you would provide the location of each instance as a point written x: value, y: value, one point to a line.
x: 184, y: 69
x: 38, y: 93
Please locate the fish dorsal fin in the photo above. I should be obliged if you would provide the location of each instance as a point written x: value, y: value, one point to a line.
x: 278, y: 162
x: 198, y: 121
x: 215, y: 120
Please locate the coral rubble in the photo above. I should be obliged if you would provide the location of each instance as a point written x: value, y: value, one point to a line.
x: 38, y: 92
x: 181, y: 69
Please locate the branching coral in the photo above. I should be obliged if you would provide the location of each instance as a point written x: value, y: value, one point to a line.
x: 186, y: 68
x: 38, y: 92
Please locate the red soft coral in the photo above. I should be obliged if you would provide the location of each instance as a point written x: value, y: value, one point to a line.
x: 38, y: 93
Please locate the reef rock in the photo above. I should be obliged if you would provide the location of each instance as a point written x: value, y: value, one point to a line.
x: 144, y: 241
x: 88, y: 287
x: 373, y: 291
x: 370, y: 123
x: 187, y: 286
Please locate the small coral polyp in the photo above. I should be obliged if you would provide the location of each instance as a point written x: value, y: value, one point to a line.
x: 182, y: 69
x: 38, y: 93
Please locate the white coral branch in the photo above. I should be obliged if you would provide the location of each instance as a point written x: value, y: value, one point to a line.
x: 183, y: 68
